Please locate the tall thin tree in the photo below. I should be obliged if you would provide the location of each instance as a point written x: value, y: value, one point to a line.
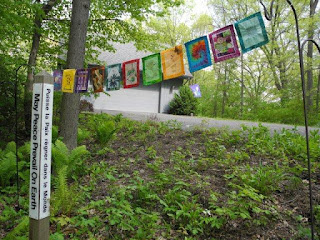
x: 75, y: 59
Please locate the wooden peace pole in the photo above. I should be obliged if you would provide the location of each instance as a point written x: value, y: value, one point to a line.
x: 40, y: 157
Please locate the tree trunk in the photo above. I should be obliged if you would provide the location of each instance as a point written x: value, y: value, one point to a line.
x: 318, y: 92
x: 224, y: 96
x: 75, y: 59
x: 33, y: 60
x: 313, y: 6
x: 242, y: 88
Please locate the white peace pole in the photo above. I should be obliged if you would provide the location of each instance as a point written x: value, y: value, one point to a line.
x: 40, y: 156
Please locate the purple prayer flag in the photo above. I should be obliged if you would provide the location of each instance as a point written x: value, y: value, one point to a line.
x: 195, y: 90
x: 82, y: 80
x: 57, y: 76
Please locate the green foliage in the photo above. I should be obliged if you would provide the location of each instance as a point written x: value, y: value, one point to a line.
x: 64, y: 198
x: 74, y: 160
x: 8, y: 163
x: 20, y: 229
x: 183, y: 103
x: 155, y: 180
x: 83, y: 135
x: 264, y: 179
x: 105, y: 132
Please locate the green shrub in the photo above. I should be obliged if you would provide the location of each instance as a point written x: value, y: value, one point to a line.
x: 183, y: 103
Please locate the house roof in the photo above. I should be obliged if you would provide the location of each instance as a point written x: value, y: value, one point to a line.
x: 127, y: 52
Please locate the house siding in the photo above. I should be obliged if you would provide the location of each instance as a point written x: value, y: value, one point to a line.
x: 140, y: 99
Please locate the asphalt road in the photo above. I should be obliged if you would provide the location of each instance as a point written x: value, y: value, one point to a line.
x: 189, y: 122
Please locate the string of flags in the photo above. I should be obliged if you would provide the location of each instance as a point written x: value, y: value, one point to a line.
x: 169, y: 63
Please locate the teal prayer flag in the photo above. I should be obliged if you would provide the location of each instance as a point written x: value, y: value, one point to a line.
x: 251, y: 32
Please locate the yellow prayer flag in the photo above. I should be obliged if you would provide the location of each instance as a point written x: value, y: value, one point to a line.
x: 172, y: 62
x: 68, y: 78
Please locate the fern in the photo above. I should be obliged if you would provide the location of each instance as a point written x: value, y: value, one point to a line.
x: 105, y: 131
x: 7, y: 168
x: 64, y: 197
x: 55, y: 134
x: 11, y: 147
x: 8, y: 163
x: 72, y: 160
x: 76, y: 158
x: 60, y: 154
x: 21, y: 228
x: 83, y: 135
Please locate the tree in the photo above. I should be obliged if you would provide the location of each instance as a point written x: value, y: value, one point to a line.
x: 311, y: 28
x: 75, y: 60
x: 183, y: 103
x: 41, y: 13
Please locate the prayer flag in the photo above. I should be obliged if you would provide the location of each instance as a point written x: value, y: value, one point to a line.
x: 68, y: 79
x: 131, y: 73
x: 195, y: 88
x: 82, y: 80
x: 97, y: 78
x: 113, y: 77
x: 172, y: 62
x: 198, y: 54
x: 152, y: 72
x: 224, y: 44
x: 251, y: 32
x: 57, y: 76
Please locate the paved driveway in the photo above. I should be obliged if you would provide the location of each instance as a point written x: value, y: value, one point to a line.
x: 189, y: 122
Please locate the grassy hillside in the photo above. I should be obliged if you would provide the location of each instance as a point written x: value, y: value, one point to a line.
x: 133, y: 180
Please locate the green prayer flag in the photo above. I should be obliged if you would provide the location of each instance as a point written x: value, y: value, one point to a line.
x: 152, y: 69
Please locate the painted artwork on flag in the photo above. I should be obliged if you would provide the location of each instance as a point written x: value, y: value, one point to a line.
x: 152, y: 72
x: 195, y: 88
x: 57, y: 76
x: 172, y: 62
x: 82, y: 80
x: 97, y: 78
x: 113, y: 77
x: 251, y: 32
x: 224, y: 44
x: 131, y: 73
x: 68, y: 79
x: 198, y: 54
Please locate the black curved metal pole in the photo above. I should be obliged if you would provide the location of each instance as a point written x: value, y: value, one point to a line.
x: 307, y: 132
x: 300, y: 49
x: 16, y: 131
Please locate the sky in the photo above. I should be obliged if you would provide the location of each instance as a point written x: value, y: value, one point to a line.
x: 199, y: 7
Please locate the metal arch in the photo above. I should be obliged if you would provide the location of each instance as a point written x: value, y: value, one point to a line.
x: 269, y: 16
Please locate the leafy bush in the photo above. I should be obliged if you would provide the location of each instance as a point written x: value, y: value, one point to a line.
x: 183, y: 103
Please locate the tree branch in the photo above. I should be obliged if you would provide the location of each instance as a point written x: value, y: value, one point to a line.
x: 93, y: 20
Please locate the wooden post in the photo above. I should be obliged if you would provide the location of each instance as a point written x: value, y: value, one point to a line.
x: 40, y: 157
